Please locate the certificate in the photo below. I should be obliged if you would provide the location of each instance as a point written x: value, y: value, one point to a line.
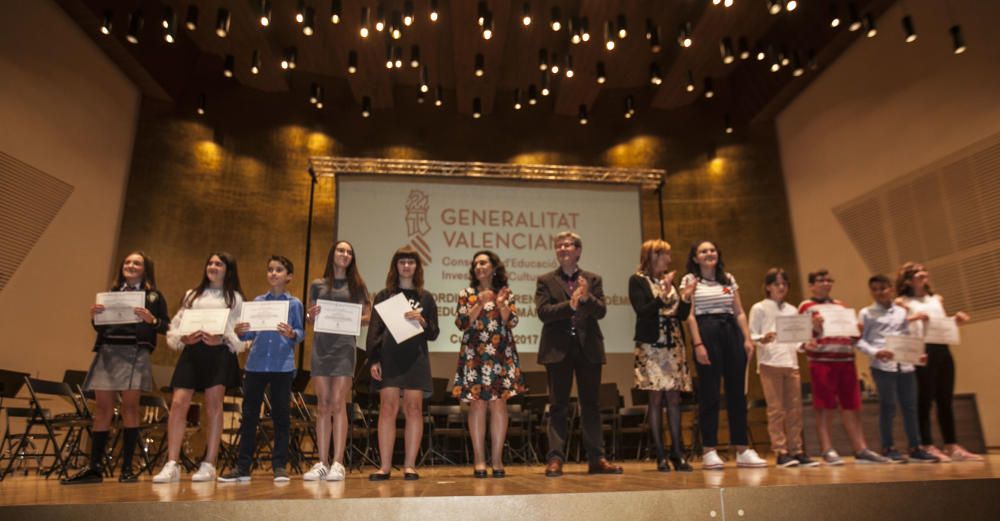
x: 905, y: 349
x: 119, y: 307
x: 941, y: 330
x: 392, y: 310
x: 838, y: 321
x: 264, y: 315
x: 793, y: 328
x: 211, y: 321
x: 340, y: 318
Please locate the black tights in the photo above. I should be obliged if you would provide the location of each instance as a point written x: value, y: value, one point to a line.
x: 673, y: 417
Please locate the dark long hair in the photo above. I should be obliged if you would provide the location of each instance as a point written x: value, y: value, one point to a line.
x: 148, y: 273
x: 230, y: 284
x: 720, y: 267
x: 499, y: 279
x: 392, y: 279
x: 905, y: 275
x: 355, y: 284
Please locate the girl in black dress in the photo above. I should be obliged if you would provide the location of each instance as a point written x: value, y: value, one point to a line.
x: 402, y: 369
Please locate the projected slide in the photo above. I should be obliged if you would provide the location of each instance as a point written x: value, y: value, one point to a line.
x: 447, y: 221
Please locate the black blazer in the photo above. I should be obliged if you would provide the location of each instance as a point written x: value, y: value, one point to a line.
x: 552, y: 304
x: 647, y: 310
x: 145, y: 334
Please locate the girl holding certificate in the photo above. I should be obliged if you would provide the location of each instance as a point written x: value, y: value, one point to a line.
x: 489, y: 372
x: 121, y: 364
x: 207, y: 363
x: 333, y: 359
x: 722, y: 347
x: 936, y: 380
x: 660, y: 362
x: 402, y: 368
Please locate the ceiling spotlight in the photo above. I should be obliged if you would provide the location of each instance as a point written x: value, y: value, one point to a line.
x: 582, y: 114
x: 106, y: 22
x: 543, y: 59
x: 291, y: 55
x: 366, y: 21
x: 834, y: 15
x: 726, y: 48
x: 191, y: 18
x: 609, y: 35
x: 574, y: 30
x: 870, y: 29
x: 517, y: 99
x: 227, y: 69
x: 408, y: 13
x: 414, y: 56
x: 655, y: 76
x: 480, y: 65
x: 854, y: 18
x: 222, y: 21
x: 601, y: 75
x: 526, y: 14
x: 488, y: 25
x: 134, y: 26
x: 336, y: 11
x: 728, y: 124
x: 957, y: 40
x: 556, y: 23
x: 380, y: 18
x: 395, y: 23
x: 554, y: 68
x: 784, y: 57
x: 434, y: 17
x: 168, y: 14
x: 420, y: 97
x: 319, y: 97
x: 366, y: 107
x: 255, y: 62
x: 481, y: 10
x: 532, y: 95
x: 397, y: 57
x: 569, y: 66
x: 585, y: 29
x: 790, y: 5
x: 690, y: 82
x: 202, y: 103
x: 684, y: 35
x: 438, y: 95
x: 797, y: 68
x: 265, y: 13
x: 477, y: 108
x: 744, y: 47
x: 309, y: 23
x: 622, y: 27
x: 629, y: 107
x: 760, y: 52
x: 545, y: 84
x: 424, y: 84
x: 909, y: 30
x: 169, y: 26
x: 313, y: 93
x: 653, y: 35
x: 775, y: 58
x: 774, y: 6
x: 709, y: 92
x: 300, y: 12
x: 352, y: 62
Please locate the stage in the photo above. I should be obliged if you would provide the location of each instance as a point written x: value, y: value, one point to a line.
x: 967, y: 491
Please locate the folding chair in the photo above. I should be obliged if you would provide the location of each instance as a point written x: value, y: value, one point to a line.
x: 74, y: 424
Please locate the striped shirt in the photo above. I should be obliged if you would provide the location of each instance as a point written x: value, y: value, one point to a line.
x: 710, y: 297
x: 828, y: 348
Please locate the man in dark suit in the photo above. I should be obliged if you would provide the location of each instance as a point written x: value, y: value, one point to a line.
x: 570, y: 301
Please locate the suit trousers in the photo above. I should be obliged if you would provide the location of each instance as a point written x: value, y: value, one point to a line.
x: 588, y: 383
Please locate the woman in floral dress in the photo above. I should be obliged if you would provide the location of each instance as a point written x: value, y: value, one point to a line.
x: 488, y: 368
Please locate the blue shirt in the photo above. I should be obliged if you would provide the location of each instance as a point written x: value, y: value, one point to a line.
x: 879, y: 322
x: 271, y: 352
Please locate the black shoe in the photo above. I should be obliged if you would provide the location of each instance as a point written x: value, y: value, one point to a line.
x: 662, y: 465
x: 85, y: 476
x: 378, y: 476
x: 499, y: 473
x: 128, y: 476
x: 411, y: 476
x: 476, y: 473
x: 680, y: 463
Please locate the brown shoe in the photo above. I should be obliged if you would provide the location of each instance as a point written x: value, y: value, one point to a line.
x: 604, y: 467
x: 554, y: 468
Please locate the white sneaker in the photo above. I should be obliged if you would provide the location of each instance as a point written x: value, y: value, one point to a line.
x: 712, y: 461
x: 337, y: 472
x: 832, y: 459
x: 170, y: 473
x: 316, y: 473
x: 206, y: 472
x: 750, y: 459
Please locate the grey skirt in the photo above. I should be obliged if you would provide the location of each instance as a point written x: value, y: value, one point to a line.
x: 333, y: 355
x: 120, y: 368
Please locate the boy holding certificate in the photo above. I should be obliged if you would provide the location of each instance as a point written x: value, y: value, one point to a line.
x: 894, y: 378
x: 271, y: 363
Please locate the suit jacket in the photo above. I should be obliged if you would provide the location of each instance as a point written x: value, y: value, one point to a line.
x: 552, y: 298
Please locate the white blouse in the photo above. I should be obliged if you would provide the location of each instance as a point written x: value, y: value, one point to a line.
x: 210, y: 299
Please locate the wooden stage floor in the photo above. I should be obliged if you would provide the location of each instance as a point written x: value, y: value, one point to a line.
x: 955, y: 490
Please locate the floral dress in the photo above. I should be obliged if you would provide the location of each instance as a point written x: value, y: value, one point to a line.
x: 488, y: 366
x: 662, y: 366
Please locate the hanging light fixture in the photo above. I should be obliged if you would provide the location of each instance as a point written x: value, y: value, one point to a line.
x: 366, y: 22
x: 622, y: 27
x: 582, y: 114
x: 655, y: 76
x: 438, y: 95
x: 134, y: 26
x: 222, y: 21
x: 609, y: 35
x: 532, y: 95
x: 434, y: 17
x: 543, y: 59
x: 408, y: 13
x: 517, y: 98
x: 726, y: 49
x: 684, y: 35
x: 709, y: 91
x: 255, y: 62
x: 690, y: 81
x: 336, y: 11
x: 230, y: 64
x: 909, y: 30
x: 414, y: 56
x: 202, y: 105
x: 477, y: 108
x: 169, y: 25
x: 526, y: 14
x: 352, y: 62
x: 191, y: 18
x: 869, y: 23
x: 366, y: 106
x: 957, y: 40
x: 264, y: 13
x: 480, y: 65
x: 629, y: 107
x: 309, y: 22
x: 556, y: 23
x: 601, y: 75
x: 106, y: 21
x: 569, y: 66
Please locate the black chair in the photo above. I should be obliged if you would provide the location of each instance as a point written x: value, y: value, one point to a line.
x: 444, y: 424
x: 639, y: 396
x: 537, y: 382
x: 633, y: 424
x: 72, y: 425
x: 75, y: 378
x: 755, y: 408
x: 609, y: 402
x: 520, y: 431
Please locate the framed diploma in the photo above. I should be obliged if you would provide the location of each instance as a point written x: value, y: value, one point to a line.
x: 119, y: 307
x: 211, y: 321
x: 838, y: 321
x: 391, y: 311
x: 340, y: 318
x: 264, y: 315
x: 905, y: 349
x: 793, y: 328
x: 941, y: 330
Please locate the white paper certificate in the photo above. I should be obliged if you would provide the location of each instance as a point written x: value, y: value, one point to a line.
x: 341, y: 318
x: 211, y: 321
x: 264, y: 315
x: 119, y: 307
x: 941, y: 330
x: 905, y: 349
x: 391, y: 311
x: 838, y: 321
x: 793, y: 328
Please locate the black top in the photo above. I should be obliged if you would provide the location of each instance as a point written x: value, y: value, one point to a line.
x: 141, y: 334
x: 647, y: 309
x: 382, y: 348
